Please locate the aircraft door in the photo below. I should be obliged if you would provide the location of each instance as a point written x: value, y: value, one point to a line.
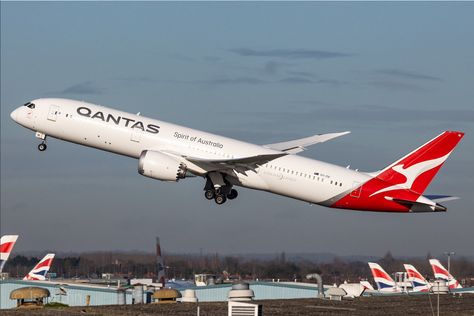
x: 356, y: 189
x: 53, y: 113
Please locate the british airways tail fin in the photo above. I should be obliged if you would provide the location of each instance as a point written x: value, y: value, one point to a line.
x: 383, y: 280
x: 416, y: 170
x: 7, y: 242
x: 417, y: 279
x: 440, y: 272
x: 39, y: 271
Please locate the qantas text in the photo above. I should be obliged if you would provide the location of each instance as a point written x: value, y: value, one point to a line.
x: 150, y: 128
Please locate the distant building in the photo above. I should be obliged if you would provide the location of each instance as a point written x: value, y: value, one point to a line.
x: 71, y: 294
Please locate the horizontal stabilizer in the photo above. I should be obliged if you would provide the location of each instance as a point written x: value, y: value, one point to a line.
x: 441, y: 198
x: 299, y: 145
x: 419, y: 207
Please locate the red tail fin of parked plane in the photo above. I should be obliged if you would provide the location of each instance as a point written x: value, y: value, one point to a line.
x: 399, y: 186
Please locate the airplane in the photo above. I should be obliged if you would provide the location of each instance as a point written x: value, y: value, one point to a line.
x: 440, y: 272
x: 418, y: 281
x: 7, y: 242
x: 170, y: 152
x: 384, y: 281
x: 38, y: 273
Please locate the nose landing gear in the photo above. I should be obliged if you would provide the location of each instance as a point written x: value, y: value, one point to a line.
x: 42, y: 146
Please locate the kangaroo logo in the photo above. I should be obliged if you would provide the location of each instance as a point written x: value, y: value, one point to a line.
x: 411, y: 173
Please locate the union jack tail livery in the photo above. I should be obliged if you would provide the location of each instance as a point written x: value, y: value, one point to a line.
x: 383, y: 280
x: 417, y: 280
x: 399, y: 186
x: 440, y: 272
x: 39, y: 271
x: 6, y: 245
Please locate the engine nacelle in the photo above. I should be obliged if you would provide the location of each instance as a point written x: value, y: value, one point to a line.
x: 156, y: 165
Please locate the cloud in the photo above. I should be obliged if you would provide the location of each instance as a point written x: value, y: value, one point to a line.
x: 301, y: 74
x: 271, y: 67
x: 86, y: 87
x: 406, y: 74
x: 297, y: 80
x: 396, y: 85
x: 289, y: 53
x: 237, y: 80
x: 211, y: 59
x: 137, y: 79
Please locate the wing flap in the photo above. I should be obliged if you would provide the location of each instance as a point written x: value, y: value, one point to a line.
x: 238, y: 164
x: 299, y: 145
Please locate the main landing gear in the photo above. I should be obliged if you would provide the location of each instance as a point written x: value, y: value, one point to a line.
x: 42, y: 146
x: 219, y: 190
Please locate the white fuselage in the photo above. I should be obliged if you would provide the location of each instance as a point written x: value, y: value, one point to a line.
x: 128, y: 134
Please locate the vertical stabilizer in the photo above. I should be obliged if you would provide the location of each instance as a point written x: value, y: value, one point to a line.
x: 160, y: 264
x: 440, y: 272
x: 39, y: 271
x: 383, y: 280
x: 417, y: 279
x: 7, y: 243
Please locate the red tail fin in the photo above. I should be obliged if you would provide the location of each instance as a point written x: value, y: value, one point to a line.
x: 416, y: 170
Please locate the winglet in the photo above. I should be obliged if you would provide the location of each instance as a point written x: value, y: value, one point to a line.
x: 299, y: 145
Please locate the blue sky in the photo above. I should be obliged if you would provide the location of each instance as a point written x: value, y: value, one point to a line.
x: 395, y: 74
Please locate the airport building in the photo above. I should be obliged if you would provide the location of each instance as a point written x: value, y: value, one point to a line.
x: 67, y: 293
x: 76, y: 294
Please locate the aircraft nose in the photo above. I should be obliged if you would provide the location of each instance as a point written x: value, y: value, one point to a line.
x: 14, y: 114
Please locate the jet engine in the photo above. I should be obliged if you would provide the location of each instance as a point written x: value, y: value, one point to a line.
x: 156, y: 165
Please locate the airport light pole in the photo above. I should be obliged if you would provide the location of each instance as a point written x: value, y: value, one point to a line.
x: 449, y: 254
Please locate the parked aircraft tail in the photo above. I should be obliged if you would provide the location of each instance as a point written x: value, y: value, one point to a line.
x: 383, y: 280
x: 417, y: 279
x: 160, y: 264
x: 440, y: 272
x: 7, y: 242
x: 39, y: 271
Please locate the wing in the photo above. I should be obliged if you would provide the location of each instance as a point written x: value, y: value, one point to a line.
x: 298, y: 145
x: 237, y: 164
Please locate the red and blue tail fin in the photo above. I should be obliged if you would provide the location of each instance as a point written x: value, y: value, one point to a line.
x: 39, y: 271
x: 417, y: 279
x: 383, y: 280
x: 7, y: 242
x: 440, y: 272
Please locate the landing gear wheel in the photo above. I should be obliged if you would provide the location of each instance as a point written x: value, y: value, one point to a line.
x: 232, y: 194
x: 209, y: 194
x: 42, y: 147
x: 220, y: 199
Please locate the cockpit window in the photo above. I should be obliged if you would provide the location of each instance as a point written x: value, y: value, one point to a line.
x: 30, y: 105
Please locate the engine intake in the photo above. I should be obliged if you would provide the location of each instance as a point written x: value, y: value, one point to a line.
x: 156, y: 165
